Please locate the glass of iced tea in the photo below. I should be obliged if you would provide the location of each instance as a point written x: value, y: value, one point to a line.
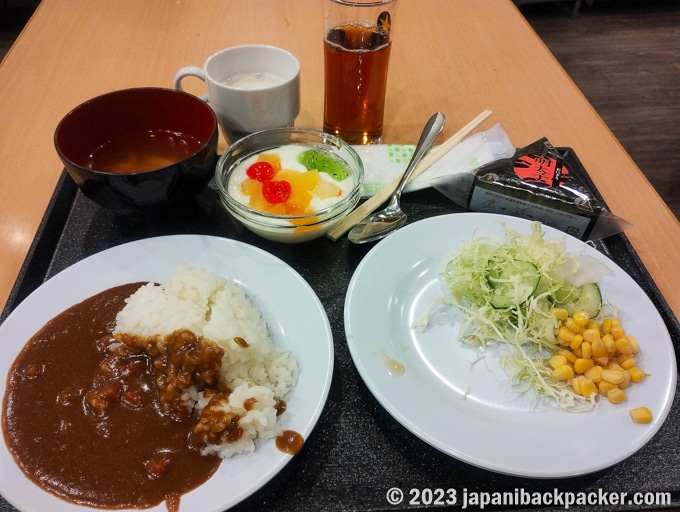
x: 357, y: 48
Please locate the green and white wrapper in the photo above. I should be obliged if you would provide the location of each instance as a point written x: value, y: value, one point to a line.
x: 383, y: 163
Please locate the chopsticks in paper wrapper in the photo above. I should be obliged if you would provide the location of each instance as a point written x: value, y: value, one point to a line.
x: 370, y: 205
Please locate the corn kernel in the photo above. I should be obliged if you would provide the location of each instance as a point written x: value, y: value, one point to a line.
x: 634, y: 344
x: 560, y: 313
x: 564, y: 335
x: 568, y: 354
x: 616, y: 322
x: 613, y: 365
x: 588, y: 388
x: 616, y: 396
x: 577, y: 384
x: 617, y: 332
x: 613, y: 376
x: 571, y: 324
x: 636, y: 374
x: 641, y: 415
x: 607, y: 325
x: 605, y: 387
x: 594, y: 374
x: 576, y: 342
x: 609, y: 344
x: 624, y: 346
x: 598, y: 348
x: 627, y: 379
x: 592, y: 324
x: 581, y: 365
x: 586, y: 350
x: 626, y: 361
x: 581, y: 318
x: 564, y: 372
x: 557, y: 360
x: 591, y: 335
x: 602, y: 361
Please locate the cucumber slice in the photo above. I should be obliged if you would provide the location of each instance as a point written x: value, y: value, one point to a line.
x: 512, y: 281
x: 586, y: 298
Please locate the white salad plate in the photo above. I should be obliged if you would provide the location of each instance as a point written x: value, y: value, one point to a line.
x: 458, y: 398
x: 298, y: 325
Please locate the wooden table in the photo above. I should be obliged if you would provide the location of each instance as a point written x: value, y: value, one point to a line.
x: 455, y: 56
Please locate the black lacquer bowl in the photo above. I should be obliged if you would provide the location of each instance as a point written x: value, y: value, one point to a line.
x: 139, y: 149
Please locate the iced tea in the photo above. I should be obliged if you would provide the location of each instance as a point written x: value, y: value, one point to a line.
x: 356, y: 62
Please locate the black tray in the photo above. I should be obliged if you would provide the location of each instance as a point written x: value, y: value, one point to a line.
x: 358, y: 451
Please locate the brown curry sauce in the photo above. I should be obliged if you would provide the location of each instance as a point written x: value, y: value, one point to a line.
x: 89, y: 423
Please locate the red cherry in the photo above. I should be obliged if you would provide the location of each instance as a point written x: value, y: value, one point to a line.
x: 260, y: 171
x: 276, y: 191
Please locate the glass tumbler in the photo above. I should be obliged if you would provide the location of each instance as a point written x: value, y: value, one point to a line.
x: 357, y: 45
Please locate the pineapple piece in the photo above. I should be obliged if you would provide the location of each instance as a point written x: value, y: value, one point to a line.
x: 304, y: 180
x: 325, y: 189
x: 305, y: 229
x: 251, y: 187
x: 272, y: 158
x: 277, y: 209
x: 259, y: 203
x: 298, y: 202
x: 308, y: 224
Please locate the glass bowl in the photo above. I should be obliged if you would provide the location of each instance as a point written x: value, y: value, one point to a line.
x: 288, y: 227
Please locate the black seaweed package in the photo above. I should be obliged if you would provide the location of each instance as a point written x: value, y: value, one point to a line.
x: 533, y: 184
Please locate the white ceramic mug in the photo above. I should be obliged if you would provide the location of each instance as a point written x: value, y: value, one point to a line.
x: 250, y: 88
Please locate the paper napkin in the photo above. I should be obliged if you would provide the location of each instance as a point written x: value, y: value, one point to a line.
x: 383, y: 163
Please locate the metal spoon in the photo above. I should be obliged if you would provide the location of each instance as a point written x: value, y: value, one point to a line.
x: 380, y: 224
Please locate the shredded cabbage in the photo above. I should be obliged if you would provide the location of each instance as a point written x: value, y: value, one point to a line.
x: 527, y: 325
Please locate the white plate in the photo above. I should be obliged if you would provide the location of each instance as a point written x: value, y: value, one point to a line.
x: 295, y: 317
x: 467, y: 409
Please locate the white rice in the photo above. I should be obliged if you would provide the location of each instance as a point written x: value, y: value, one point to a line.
x: 219, y: 310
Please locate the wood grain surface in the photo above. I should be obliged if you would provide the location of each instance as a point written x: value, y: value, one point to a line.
x: 454, y: 56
